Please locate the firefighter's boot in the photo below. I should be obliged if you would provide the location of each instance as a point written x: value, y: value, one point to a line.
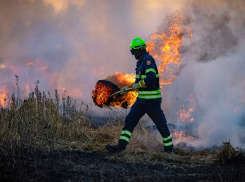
x: 170, y: 151
x: 120, y: 147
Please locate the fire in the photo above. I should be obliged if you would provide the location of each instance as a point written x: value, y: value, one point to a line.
x: 101, y: 93
x: 122, y: 80
x: 3, y: 99
x: 4, y: 96
x: 2, y: 66
x: 181, y: 135
x: 111, y: 84
x: 128, y: 98
x: 27, y: 87
x: 27, y: 90
x: 28, y: 64
x: 184, y: 114
x: 165, y: 47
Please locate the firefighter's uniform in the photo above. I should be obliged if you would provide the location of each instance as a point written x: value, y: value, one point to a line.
x: 148, y: 101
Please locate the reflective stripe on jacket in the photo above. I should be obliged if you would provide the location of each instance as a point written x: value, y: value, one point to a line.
x: 146, y: 70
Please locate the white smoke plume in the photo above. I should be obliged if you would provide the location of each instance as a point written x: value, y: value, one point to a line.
x: 213, y: 70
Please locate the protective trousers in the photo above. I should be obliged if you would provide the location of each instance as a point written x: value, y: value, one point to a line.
x: 154, y: 111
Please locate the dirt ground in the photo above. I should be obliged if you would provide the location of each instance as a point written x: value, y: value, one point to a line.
x: 86, y: 166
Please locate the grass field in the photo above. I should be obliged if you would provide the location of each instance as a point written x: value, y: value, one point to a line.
x: 42, y: 126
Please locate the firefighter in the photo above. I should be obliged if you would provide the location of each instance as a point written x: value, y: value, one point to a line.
x: 148, y: 101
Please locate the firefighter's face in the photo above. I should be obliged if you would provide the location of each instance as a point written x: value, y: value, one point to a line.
x: 137, y: 53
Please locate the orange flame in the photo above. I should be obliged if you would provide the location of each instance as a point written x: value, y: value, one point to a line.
x: 181, y: 135
x: 186, y: 114
x: 130, y: 98
x: 183, y: 115
x: 165, y: 47
x: 27, y: 88
x: 122, y: 80
x: 28, y: 64
x: 101, y: 94
x: 2, y: 66
x: 4, y: 96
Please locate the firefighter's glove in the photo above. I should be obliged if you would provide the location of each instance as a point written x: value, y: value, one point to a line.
x: 124, y: 90
x: 137, y: 86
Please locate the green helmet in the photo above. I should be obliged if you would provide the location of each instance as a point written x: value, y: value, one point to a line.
x: 137, y: 43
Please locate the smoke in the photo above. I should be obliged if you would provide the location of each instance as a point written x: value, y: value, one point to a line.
x: 213, y: 60
x: 220, y: 97
x: 70, y: 45
x: 215, y: 35
x: 58, y: 43
x: 216, y: 26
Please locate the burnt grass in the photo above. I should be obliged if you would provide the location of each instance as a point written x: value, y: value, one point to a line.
x: 72, y: 165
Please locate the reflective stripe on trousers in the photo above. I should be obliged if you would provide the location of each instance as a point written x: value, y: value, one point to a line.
x: 154, y: 111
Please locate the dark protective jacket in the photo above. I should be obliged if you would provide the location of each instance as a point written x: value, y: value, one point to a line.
x: 146, y: 70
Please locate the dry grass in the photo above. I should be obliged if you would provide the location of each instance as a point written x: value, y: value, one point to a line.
x: 46, y: 124
x: 228, y: 153
x: 41, y: 124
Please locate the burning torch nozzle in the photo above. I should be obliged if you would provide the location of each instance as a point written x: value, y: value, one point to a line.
x: 118, y: 92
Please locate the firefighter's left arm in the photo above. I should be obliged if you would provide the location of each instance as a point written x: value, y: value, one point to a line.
x: 150, y: 71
